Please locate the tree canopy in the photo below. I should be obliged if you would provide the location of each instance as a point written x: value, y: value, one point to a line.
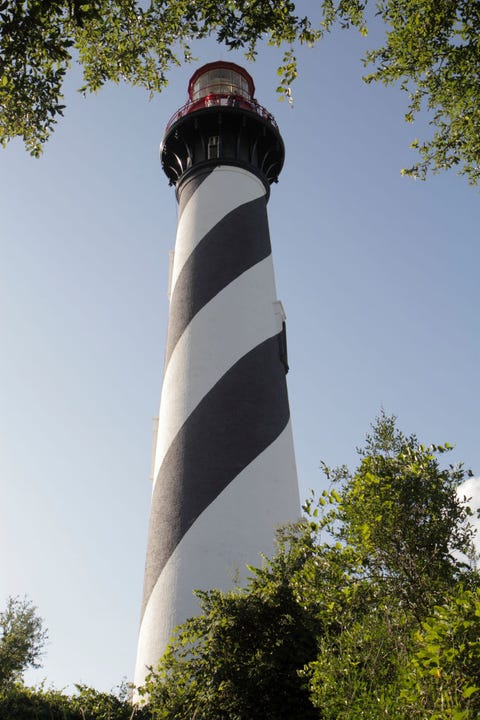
x: 22, y: 639
x: 430, y: 48
x: 369, y: 609
x: 24, y: 703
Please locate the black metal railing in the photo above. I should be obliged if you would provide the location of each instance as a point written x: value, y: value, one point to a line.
x: 216, y: 100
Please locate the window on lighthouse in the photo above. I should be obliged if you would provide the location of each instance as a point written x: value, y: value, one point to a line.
x: 213, y: 148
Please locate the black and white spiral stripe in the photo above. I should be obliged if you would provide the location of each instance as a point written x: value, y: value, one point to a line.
x: 224, y: 473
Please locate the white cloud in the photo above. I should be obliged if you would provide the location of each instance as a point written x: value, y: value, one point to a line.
x: 471, y: 489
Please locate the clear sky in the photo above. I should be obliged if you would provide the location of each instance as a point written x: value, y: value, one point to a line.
x: 378, y: 275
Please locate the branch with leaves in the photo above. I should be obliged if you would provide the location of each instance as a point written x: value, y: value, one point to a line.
x: 430, y: 48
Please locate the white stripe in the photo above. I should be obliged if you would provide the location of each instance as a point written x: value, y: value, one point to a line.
x: 235, y: 321
x: 262, y: 497
x: 217, y: 195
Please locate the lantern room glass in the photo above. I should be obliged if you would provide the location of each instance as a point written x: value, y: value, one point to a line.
x: 220, y: 81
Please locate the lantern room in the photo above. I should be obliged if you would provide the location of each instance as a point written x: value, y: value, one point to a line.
x: 221, y: 79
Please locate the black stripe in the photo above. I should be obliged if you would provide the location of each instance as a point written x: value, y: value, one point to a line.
x: 187, y: 189
x: 239, y: 418
x: 236, y: 243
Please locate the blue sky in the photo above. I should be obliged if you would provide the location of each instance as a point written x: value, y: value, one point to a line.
x: 378, y: 275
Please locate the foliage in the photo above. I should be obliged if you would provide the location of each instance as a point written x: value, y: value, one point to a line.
x: 432, y: 50
x: 22, y: 703
x: 430, y: 47
x: 400, y: 525
x: 402, y: 512
x: 341, y: 622
x: 21, y: 644
x: 36, y: 40
x: 94, y: 705
x: 443, y: 675
x: 22, y: 639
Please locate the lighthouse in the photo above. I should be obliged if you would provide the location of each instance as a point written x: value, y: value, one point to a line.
x: 224, y: 475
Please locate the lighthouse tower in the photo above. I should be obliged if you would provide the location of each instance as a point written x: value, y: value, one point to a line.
x: 224, y: 469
